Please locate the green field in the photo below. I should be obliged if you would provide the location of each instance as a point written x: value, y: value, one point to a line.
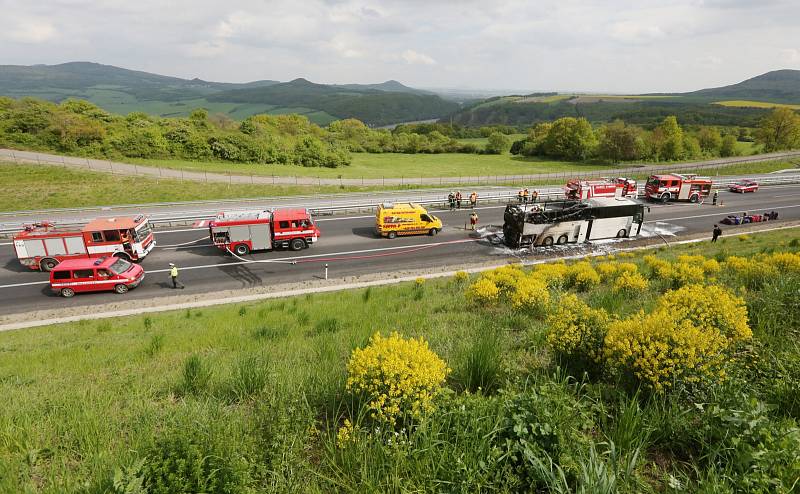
x: 45, y: 187
x: 388, y: 165
x: 756, y: 104
x: 482, y: 141
x: 253, y: 398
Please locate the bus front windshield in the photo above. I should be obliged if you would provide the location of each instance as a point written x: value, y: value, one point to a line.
x: 142, y: 231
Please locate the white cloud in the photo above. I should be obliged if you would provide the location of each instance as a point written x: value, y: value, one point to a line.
x: 413, y: 57
x: 791, y: 55
x: 30, y: 30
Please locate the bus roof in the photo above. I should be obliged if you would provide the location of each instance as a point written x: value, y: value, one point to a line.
x: 611, y: 201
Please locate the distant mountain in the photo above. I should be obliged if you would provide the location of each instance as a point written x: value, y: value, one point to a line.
x: 364, y: 102
x: 778, y: 86
x: 123, y: 91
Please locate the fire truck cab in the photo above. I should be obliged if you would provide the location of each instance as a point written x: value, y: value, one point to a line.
x: 44, y: 245
x: 676, y: 187
x: 241, y: 232
x: 580, y: 190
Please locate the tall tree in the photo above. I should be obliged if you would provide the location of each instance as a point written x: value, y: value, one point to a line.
x: 779, y: 130
x: 620, y: 142
x: 571, y: 138
x: 671, y: 139
x: 710, y: 140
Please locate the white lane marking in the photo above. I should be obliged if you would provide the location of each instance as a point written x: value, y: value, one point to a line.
x: 279, y: 260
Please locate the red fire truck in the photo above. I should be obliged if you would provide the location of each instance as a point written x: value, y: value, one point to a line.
x: 675, y: 187
x: 578, y: 190
x: 244, y: 231
x: 44, y: 245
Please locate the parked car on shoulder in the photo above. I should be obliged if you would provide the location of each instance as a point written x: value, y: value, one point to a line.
x: 743, y: 186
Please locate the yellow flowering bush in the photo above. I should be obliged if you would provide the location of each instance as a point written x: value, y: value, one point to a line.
x: 483, y: 292
x: 552, y: 273
x: 659, y: 268
x: 784, y: 262
x: 629, y: 282
x: 610, y: 270
x: 397, y: 377
x: 461, y: 276
x: 750, y: 272
x: 530, y: 293
x: 505, y: 277
x: 625, y: 254
x: 658, y: 350
x: 582, y: 276
x: 577, y: 329
x: 344, y: 435
x: 709, y: 308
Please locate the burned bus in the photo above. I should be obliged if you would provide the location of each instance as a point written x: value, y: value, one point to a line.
x: 563, y: 222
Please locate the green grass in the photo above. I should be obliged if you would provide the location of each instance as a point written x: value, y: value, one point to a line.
x: 394, y: 165
x: 45, y: 187
x: 250, y: 398
x: 755, y: 104
x: 482, y: 141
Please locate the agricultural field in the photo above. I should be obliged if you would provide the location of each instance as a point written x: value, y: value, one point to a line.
x: 756, y: 104
x: 551, y: 378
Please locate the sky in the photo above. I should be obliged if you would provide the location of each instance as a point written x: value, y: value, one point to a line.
x: 611, y: 46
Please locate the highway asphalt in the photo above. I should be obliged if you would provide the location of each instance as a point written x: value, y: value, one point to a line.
x: 350, y: 248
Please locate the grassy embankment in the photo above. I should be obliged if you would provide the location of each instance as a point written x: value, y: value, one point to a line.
x: 252, y: 398
x: 755, y: 104
x: 45, y: 187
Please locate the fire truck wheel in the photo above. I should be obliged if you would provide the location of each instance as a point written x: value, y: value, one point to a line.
x: 121, y: 289
x: 621, y: 234
x: 694, y: 198
x: 391, y: 235
x: 297, y: 244
x: 67, y: 292
x: 241, y: 250
x: 547, y: 241
x: 48, y: 264
x: 664, y: 197
x: 562, y: 239
x: 433, y: 232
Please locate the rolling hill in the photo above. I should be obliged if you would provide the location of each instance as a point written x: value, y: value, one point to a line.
x: 123, y: 91
x: 778, y: 86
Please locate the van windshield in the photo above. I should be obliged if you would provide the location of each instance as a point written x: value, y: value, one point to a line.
x: 120, y: 266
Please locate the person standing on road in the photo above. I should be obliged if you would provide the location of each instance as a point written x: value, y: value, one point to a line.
x: 716, y: 233
x: 451, y: 200
x: 458, y: 199
x: 525, y: 196
x: 716, y: 195
x: 473, y: 199
x: 173, y: 273
x: 519, y: 196
x: 535, y: 195
x: 473, y: 220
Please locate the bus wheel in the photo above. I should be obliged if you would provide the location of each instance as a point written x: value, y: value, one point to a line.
x: 391, y: 235
x: 67, y: 292
x: 664, y: 197
x: 241, y: 249
x: 433, y: 232
x: 562, y: 239
x: 694, y: 198
x: 121, y: 288
x: 622, y: 233
x: 297, y: 244
x: 547, y: 241
x: 48, y: 264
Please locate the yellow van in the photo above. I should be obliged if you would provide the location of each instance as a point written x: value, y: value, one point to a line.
x: 407, y: 218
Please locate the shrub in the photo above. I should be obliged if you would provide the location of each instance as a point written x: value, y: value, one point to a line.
x: 751, y: 273
x: 552, y: 273
x: 577, y: 330
x: 461, y: 276
x: 784, y: 262
x: 531, y: 294
x: 657, y: 350
x: 709, y: 308
x: 630, y: 282
x: 188, y: 461
x: 582, y: 276
x: 505, y: 278
x: 397, y: 377
x: 483, y: 292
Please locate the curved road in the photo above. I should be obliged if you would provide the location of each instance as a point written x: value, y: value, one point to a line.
x: 350, y: 248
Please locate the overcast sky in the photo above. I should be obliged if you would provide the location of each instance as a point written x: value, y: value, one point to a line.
x: 636, y: 46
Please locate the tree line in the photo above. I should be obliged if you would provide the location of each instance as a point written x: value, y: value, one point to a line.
x: 81, y: 128
x: 573, y: 138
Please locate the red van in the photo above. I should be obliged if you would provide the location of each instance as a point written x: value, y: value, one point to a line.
x: 95, y: 275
